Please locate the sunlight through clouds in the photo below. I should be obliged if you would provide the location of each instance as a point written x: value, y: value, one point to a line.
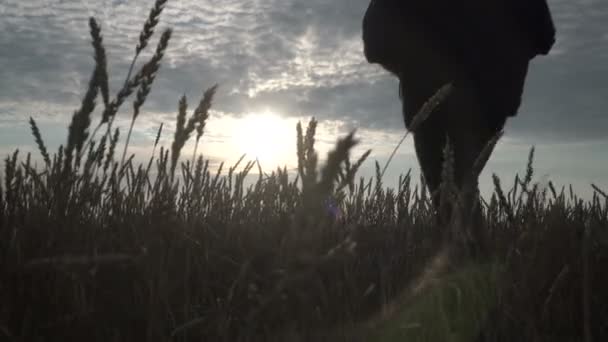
x: 277, y: 62
x: 265, y: 136
x: 270, y: 138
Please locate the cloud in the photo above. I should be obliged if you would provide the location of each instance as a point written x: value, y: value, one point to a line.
x: 303, y: 56
x: 566, y: 92
x: 300, y: 58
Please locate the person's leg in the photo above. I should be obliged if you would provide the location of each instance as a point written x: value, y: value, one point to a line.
x: 470, y: 131
x: 429, y: 140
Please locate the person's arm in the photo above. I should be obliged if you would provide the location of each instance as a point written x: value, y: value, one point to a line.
x: 536, y: 20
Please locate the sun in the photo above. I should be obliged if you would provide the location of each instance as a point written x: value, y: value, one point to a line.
x: 267, y: 137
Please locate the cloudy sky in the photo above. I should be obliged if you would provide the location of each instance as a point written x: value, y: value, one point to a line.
x: 280, y: 61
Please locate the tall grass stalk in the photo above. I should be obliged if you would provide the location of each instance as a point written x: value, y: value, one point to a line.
x: 424, y: 112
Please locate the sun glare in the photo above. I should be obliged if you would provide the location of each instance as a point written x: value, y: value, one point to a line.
x: 267, y: 137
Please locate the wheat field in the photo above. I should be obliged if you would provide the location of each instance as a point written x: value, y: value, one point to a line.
x: 96, y: 247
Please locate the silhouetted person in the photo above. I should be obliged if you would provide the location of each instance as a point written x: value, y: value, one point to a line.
x: 482, y: 47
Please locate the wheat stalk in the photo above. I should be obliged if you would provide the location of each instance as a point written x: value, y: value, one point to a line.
x: 147, y: 76
x: 425, y: 111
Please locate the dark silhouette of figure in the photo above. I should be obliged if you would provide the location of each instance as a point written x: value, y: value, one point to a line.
x: 481, y: 47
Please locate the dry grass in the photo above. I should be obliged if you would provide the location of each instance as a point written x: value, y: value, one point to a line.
x: 97, y: 249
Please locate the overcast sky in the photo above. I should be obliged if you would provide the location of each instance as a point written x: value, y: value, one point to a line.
x: 294, y: 59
